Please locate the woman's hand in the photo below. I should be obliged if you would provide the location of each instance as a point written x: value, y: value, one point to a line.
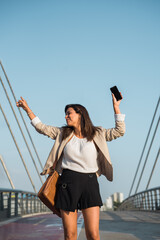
x: 116, y: 104
x: 23, y: 104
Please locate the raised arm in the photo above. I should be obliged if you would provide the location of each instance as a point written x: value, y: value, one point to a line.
x: 42, y: 128
x: 119, y: 128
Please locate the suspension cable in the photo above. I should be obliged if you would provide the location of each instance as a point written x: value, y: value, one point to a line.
x: 21, y: 115
x: 144, y: 146
x: 153, y: 169
x: 147, y: 154
x: 21, y: 131
x: 18, y: 148
x: 7, y: 173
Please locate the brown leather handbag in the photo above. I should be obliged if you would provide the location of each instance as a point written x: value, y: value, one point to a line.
x: 48, y: 191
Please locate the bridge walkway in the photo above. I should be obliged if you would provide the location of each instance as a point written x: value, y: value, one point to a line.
x: 120, y: 225
x: 128, y: 225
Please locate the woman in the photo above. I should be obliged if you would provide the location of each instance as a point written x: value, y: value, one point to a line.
x: 79, y: 154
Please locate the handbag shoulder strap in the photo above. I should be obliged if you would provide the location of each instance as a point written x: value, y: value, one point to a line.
x: 55, y: 162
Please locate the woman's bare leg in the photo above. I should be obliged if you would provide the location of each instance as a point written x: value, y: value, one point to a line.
x: 69, y: 224
x: 91, y: 221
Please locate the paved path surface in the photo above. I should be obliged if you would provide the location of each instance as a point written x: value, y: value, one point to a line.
x: 128, y: 226
x: 39, y: 227
x: 113, y: 226
x: 35, y: 227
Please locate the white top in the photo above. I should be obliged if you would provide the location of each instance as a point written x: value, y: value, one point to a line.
x: 80, y: 155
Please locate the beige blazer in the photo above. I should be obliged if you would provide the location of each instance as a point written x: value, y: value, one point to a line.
x: 100, y: 138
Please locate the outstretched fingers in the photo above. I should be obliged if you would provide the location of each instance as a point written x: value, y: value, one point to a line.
x: 22, y: 103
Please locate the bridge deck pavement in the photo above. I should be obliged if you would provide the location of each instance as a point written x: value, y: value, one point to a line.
x: 128, y: 226
x: 113, y: 226
x: 35, y: 227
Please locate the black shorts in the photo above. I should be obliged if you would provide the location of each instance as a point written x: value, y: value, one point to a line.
x: 77, y: 190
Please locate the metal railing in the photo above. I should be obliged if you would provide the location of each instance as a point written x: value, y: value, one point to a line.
x: 15, y: 203
x: 148, y: 200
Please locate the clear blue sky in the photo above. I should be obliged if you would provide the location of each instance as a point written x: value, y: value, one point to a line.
x: 60, y: 52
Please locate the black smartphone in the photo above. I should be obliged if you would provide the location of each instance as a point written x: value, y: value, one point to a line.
x: 116, y: 93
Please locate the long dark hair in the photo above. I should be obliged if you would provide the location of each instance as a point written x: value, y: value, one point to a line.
x: 87, y: 127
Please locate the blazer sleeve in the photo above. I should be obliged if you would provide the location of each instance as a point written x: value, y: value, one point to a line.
x: 46, y: 130
x: 117, y: 131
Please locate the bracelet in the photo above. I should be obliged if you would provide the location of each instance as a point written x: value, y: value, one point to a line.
x: 29, y: 113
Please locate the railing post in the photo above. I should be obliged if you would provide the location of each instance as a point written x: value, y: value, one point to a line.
x: 21, y: 204
x: 41, y: 206
x: 146, y: 205
x: 9, y: 205
x: 16, y: 204
x: 134, y: 201
x: 26, y: 203
x: 31, y: 204
x: 1, y: 202
x: 38, y: 205
x: 158, y: 196
x: 34, y: 199
x: 156, y: 200
x: 139, y: 201
x: 152, y: 205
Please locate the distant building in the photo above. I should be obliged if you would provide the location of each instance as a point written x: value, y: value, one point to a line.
x: 117, y: 197
x: 110, y: 201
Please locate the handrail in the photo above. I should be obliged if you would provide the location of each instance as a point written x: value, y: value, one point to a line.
x: 148, y: 200
x: 15, y: 203
x: 15, y: 190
